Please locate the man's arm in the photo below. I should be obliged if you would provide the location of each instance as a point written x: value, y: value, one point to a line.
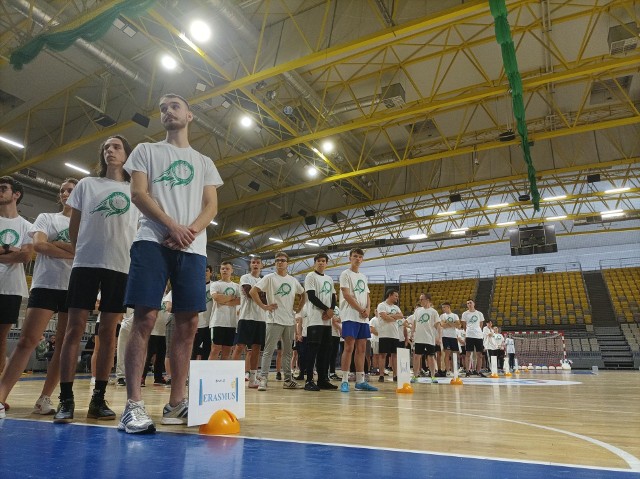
x: 74, y: 226
x: 180, y: 236
x: 209, y: 209
x: 255, y: 294
x: 15, y: 255
x: 41, y: 245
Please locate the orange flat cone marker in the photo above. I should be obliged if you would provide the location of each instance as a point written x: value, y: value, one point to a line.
x: 456, y: 381
x: 405, y: 389
x: 221, y: 422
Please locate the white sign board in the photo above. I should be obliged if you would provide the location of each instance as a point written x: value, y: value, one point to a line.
x: 215, y: 385
x: 404, y: 366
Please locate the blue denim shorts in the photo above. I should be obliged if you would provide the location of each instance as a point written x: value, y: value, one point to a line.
x: 355, y: 330
x: 153, y: 264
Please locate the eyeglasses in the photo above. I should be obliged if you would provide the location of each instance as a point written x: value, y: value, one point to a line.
x: 281, y: 260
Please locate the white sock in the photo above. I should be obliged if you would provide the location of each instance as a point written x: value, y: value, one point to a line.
x: 345, y: 376
x: 360, y: 377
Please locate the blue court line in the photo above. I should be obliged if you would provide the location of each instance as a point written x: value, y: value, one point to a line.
x: 43, y: 449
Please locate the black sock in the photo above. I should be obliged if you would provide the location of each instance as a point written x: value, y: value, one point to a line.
x: 100, y: 388
x: 66, y: 391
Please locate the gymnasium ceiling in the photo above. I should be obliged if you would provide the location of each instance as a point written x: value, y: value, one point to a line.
x: 412, y: 94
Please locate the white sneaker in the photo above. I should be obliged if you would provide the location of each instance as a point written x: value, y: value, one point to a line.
x: 135, y: 420
x: 92, y: 382
x: 44, y: 406
x: 3, y: 414
x: 254, y: 384
x: 177, y: 414
x: 263, y: 384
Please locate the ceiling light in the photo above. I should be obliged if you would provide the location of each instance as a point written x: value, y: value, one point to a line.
x: 507, y: 223
x: 311, y: 243
x: 77, y: 168
x: 555, y: 218
x: 458, y: 231
x: 312, y: 171
x: 611, y: 212
x: 499, y: 205
x: 327, y: 146
x: 246, y: 121
x: 243, y: 232
x: 169, y: 62
x: 418, y: 236
x: 213, y: 223
x: 277, y: 240
x: 446, y: 213
x: 605, y: 216
x: 11, y: 142
x: 200, y: 31
x: 615, y: 190
x: 555, y: 198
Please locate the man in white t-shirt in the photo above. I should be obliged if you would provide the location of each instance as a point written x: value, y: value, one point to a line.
x: 252, y: 324
x: 321, y: 301
x: 16, y: 249
x: 175, y: 188
x: 355, y: 306
x: 281, y: 289
x: 425, y: 333
x: 101, y: 229
x: 390, y: 317
x: 226, y: 296
x: 472, y: 322
x: 202, y: 341
x: 449, y: 322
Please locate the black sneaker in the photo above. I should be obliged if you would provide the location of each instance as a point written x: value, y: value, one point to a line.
x: 395, y: 379
x: 311, y: 386
x: 325, y: 384
x: 121, y: 382
x: 334, y: 377
x: 64, y: 413
x: 98, y: 409
x: 159, y: 382
x: 278, y: 376
x: 381, y: 379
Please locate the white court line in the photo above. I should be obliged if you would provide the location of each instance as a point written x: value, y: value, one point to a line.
x: 630, y: 459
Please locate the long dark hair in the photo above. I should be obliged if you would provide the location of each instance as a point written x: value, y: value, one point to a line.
x: 101, y: 167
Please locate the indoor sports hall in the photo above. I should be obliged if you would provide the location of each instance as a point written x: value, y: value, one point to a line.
x: 484, y: 149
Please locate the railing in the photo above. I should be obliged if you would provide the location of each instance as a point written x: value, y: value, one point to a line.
x: 447, y: 276
x: 533, y: 269
x: 619, y: 263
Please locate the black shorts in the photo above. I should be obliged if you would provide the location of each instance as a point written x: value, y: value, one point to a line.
x: 223, y: 336
x: 10, y: 308
x: 425, y: 348
x: 251, y: 332
x: 474, y: 343
x: 463, y: 351
x: 319, y: 334
x: 402, y: 345
x: 438, y: 348
x: 450, y: 344
x: 51, y: 299
x: 388, y: 345
x: 493, y: 352
x: 85, y: 283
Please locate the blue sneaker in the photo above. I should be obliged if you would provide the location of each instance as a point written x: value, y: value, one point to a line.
x: 344, y: 387
x: 365, y: 387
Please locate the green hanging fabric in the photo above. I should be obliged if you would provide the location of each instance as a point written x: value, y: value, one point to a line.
x: 504, y: 39
x: 90, y: 31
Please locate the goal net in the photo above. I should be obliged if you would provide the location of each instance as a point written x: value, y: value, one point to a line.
x: 539, y: 348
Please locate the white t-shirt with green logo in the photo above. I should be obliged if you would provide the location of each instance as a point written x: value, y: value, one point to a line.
x: 451, y: 320
x: 473, y: 321
x: 356, y: 283
x: 322, y: 284
x: 48, y: 272
x: 248, y: 308
x: 335, y: 332
x: 107, y: 226
x: 14, y: 232
x: 426, y: 326
x: 388, y: 329
x: 282, y: 291
x: 204, y: 317
x: 222, y: 315
x: 177, y: 177
x: 375, y: 322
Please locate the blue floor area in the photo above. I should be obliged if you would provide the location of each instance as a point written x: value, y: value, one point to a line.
x: 43, y: 449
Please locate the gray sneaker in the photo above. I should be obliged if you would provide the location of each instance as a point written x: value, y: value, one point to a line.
x: 135, y: 420
x: 291, y: 384
x: 176, y: 415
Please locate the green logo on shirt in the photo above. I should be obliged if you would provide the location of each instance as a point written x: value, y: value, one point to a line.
x: 326, y: 287
x: 208, y: 296
x: 359, y: 286
x: 229, y: 291
x: 473, y: 319
x: 179, y: 173
x: 424, y: 318
x: 284, y: 289
x: 9, y: 237
x: 63, y: 236
x: 117, y: 203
